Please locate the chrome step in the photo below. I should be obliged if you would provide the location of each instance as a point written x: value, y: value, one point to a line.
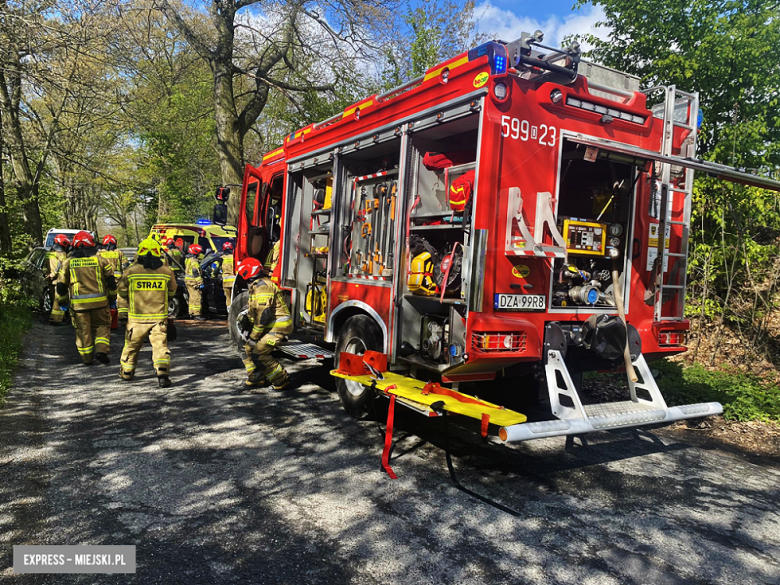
x: 557, y: 428
x: 647, y: 406
x: 306, y: 351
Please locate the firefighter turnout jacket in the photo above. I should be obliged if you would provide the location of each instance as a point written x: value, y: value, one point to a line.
x: 54, y: 261
x: 88, y: 280
x: 267, y: 310
x: 228, y: 270
x: 116, y: 258
x: 147, y: 286
x: 147, y: 291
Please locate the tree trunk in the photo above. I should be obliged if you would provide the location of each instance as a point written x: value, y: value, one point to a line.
x: 230, y: 142
x: 25, y: 179
x: 5, y: 230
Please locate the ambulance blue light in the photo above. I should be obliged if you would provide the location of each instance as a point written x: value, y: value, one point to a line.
x: 203, y: 222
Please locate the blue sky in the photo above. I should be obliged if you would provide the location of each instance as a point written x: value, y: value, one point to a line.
x: 555, y: 18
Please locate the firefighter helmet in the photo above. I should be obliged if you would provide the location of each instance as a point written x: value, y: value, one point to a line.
x: 149, y: 246
x: 109, y: 239
x: 249, y: 268
x: 169, y: 242
x: 83, y: 239
x: 179, y: 243
x: 227, y: 247
x: 420, y: 273
x: 62, y: 240
x: 195, y: 249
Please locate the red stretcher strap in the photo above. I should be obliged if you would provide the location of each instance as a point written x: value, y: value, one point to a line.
x: 389, y: 439
x: 485, y: 423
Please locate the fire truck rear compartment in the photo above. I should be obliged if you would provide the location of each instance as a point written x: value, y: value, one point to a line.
x: 594, y: 210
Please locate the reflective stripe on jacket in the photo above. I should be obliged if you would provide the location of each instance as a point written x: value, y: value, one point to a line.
x: 267, y: 310
x: 228, y: 270
x: 192, y: 270
x: 116, y: 258
x: 86, y: 279
x: 148, y: 291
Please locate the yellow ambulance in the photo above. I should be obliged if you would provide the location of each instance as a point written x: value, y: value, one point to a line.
x: 204, y: 233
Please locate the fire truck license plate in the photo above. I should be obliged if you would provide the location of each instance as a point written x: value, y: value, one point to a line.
x: 504, y: 302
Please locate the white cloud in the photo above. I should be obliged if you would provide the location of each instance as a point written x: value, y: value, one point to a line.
x: 507, y: 26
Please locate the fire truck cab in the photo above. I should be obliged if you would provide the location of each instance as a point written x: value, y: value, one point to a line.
x: 515, y: 214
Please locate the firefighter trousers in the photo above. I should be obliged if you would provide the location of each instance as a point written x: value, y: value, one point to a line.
x: 228, y: 295
x: 92, y: 331
x: 135, y: 335
x: 260, y: 355
x: 57, y: 314
x: 193, y: 288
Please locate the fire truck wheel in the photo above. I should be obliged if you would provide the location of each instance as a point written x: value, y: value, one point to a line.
x: 235, y: 316
x: 359, y: 334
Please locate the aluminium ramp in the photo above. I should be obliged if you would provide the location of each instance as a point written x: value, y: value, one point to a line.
x: 646, y: 407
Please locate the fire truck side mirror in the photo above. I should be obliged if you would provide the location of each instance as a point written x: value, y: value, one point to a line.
x: 220, y: 214
x: 222, y: 194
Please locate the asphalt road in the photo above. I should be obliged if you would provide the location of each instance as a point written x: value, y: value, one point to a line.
x: 215, y: 484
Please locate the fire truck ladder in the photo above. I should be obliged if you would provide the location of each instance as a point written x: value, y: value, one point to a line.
x: 678, y: 110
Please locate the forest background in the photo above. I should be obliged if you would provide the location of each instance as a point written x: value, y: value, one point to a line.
x: 117, y: 114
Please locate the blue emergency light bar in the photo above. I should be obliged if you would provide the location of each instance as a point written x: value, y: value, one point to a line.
x: 203, y: 222
x: 497, y: 56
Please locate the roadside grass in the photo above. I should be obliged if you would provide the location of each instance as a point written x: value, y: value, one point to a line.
x: 15, y: 319
x: 744, y: 396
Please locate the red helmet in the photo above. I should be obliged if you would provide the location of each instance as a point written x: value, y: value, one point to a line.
x: 249, y: 268
x: 168, y: 241
x: 227, y: 247
x: 83, y: 240
x: 179, y: 243
x: 62, y: 240
x: 109, y: 239
x: 195, y: 249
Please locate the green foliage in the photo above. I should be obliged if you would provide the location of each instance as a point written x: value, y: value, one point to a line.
x: 728, y: 52
x: 15, y: 316
x: 431, y: 31
x: 744, y: 396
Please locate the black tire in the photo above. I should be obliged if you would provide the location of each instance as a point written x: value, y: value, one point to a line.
x: 235, y: 316
x: 175, y: 306
x: 359, y: 334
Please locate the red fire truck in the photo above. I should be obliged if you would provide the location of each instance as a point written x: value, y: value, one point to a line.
x: 516, y: 215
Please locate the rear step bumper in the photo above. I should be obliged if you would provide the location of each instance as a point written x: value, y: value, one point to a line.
x: 600, y: 419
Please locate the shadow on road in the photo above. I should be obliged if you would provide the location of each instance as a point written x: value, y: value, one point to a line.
x: 214, y: 483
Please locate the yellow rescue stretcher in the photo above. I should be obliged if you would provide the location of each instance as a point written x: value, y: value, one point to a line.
x: 425, y: 395
x: 430, y: 399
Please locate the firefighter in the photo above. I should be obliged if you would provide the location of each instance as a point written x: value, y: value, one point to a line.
x: 273, y: 255
x: 271, y: 322
x: 54, y: 260
x: 87, y: 281
x: 174, y: 254
x: 114, y: 256
x: 228, y: 272
x: 147, y: 287
x: 194, y: 280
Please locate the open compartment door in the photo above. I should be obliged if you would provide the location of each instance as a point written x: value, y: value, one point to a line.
x: 722, y: 172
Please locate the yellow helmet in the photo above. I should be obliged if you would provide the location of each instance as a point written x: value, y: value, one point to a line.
x: 149, y: 246
x: 420, y: 281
